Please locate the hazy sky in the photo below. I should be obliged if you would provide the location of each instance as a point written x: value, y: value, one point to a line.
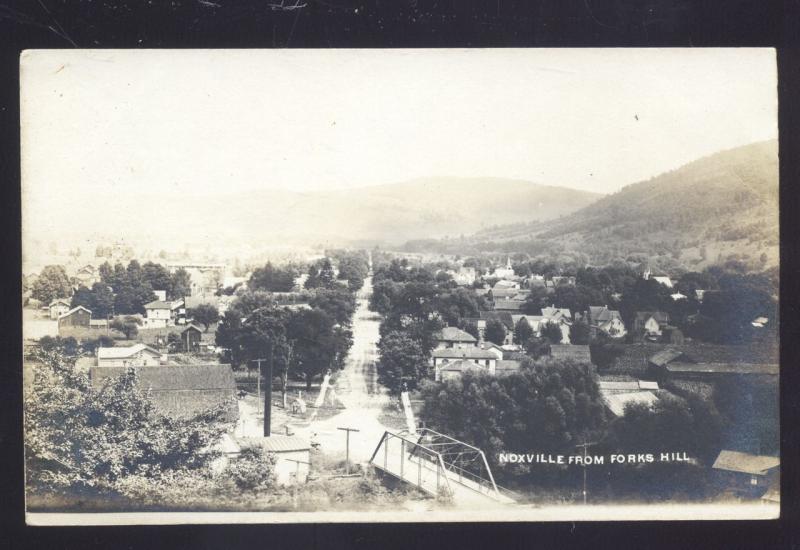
x: 224, y: 121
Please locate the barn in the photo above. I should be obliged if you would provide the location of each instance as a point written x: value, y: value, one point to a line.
x: 180, y: 391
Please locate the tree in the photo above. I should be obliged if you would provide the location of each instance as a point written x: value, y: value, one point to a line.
x: 127, y: 326
x: 495, y: 332
x: 552, y: 331
x: 579, y: 333
x: 272, y: 278
x: 180, y: 284
x: 317, y: 345
x: 472, y: 328
x: 339, y: 303
x: 522, y: 331
x: 402, y: 360
x: 52, y: 283
x: 320, y: 274
x: 99, y: 300
x: 536, y: 300
x: 547, y: 406
x: 205, y: 314
x: 81, y: 438
x: 604, y: 351
x: 158, y: 277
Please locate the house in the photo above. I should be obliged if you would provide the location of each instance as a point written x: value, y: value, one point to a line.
x: 191, y: 337
x: 677, y: 296
x: 292, y: 456
x: 465, y: 276
x: 746, y: 474
x: 58, y: 307
x: 78, y: 316
x: 505, y: 285
x: 672, y: 364
x: 571, y: 352
x: 556, y: 314
x: 180, y: 391
x: 651, y: 323
x: 666, y: 281
x: 87, y: 275
x: 698, y: 294
x: 454, y: 358
x: 510, y: 293
x: 161, y: 313
x: 563, y: 280
x: 453, y: 337
x: 606, y: 320
x: 138, y: 355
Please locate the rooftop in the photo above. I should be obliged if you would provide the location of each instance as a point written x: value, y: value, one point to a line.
x: 735, y: 461
x: 724, y: 368
x: 455, y: 334
x: 463, y: 353
x: 124, y: 352
x: 164, y: 304
x: 279, y: 443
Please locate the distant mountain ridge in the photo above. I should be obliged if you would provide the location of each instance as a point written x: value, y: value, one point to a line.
x: 724, y: 205
x: 389, y: 213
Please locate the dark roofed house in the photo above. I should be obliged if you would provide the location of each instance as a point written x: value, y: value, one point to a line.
x: 675, y: 364
x: 574, y: 352
x: 747, y: 474
x: 180, y: 390
x: 453, y: 337
x: 606, y: 320
x: 78, y: 316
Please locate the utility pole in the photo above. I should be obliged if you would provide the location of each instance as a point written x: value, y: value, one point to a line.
x: 585, y: 446
x: 258, y: 391
x: 347, y: 447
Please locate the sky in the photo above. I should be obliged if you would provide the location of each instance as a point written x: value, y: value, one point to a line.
x: 212, y: 121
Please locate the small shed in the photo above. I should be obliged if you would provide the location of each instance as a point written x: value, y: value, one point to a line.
x: 190, y: 338
x: 292, y: 456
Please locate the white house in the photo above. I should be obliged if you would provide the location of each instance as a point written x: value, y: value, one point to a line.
x: 138, y: 355
x: 461, y: 358
x: 58, y: 307
x: 606, y: 320
x: 163, y: 313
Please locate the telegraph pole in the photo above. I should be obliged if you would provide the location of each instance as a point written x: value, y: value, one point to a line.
x: 585, y: 446
x: 347, y: 451
x: 258, y: 392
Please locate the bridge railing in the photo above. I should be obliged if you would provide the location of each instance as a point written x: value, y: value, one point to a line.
x: 427, y: 460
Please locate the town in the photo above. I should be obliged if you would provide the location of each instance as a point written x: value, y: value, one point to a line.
x: 375, y: 367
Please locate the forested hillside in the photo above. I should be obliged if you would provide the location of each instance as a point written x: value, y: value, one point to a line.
x: 718, y: 208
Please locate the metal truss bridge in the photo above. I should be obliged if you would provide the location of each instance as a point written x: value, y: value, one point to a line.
x: 440, y: 465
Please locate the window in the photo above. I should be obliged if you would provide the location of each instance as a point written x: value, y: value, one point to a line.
x: 753, y: 480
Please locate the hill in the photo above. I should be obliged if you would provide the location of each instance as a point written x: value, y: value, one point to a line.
x: 391, y: 214
x: 720, y: 207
